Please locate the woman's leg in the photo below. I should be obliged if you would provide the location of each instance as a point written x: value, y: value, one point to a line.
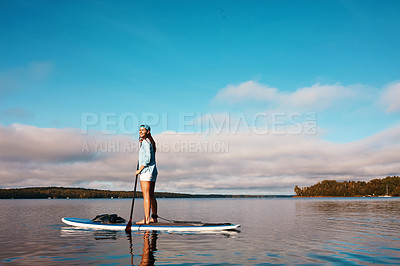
x: 145, y: 185
x: 153, y: 201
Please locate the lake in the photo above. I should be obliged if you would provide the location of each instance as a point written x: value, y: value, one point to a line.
x: 283, y: 231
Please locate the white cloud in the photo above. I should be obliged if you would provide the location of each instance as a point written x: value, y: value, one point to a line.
x: 390, y: 98
x: 31, y: 156
x: 249, y: 90
x: 269, y: 163
x: 316, y: 97
x: 231, y: 157
x: 28, y: 143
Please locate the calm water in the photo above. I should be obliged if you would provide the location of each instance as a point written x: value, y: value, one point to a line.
x: 274, y: 231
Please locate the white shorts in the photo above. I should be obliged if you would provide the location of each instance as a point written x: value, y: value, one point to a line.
x: 147, y: 177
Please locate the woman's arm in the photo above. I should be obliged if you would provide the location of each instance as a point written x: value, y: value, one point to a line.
x: 145, y: 152
x: 139, y: 170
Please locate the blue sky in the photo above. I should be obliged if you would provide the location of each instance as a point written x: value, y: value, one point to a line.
x: 62, y: 59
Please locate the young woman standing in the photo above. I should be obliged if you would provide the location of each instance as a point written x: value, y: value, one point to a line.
x: 148, y: 174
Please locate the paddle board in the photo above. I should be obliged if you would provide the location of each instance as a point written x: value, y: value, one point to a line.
x: 182, y: 227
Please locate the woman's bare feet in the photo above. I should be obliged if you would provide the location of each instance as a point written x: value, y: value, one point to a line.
x: 153, y: 219
x: 143, y: 222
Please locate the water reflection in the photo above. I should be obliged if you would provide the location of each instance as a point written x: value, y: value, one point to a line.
x: 149, y: 238
x: 274, y: 231
x: 351, y: 229
x: 103, y: 235
x: 149, y: 247
x: 139, y: 247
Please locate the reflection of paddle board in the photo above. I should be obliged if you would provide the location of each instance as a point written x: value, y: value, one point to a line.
x: 87, y: 223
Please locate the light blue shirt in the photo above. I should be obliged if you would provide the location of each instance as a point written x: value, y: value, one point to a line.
x: 147, y: 158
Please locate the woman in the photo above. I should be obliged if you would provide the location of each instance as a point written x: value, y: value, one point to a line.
x: 148, y: 174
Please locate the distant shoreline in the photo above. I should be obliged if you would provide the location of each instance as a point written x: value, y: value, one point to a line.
x: 386, y: 187
x: 85, y: 193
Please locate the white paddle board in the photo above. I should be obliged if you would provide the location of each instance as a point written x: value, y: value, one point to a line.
x: 182, y: 227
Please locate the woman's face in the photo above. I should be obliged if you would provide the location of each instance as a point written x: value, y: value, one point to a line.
x: 142, y: 132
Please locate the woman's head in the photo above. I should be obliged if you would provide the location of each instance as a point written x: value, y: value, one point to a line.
x: 144, y: 133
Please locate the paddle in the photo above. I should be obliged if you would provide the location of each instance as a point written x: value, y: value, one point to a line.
x: 128, y: 226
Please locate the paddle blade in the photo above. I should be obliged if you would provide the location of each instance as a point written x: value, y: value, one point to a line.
x: 128, y: 226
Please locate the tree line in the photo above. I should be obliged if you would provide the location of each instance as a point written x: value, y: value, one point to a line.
x: 84, y: 193
x: 331, y: 188
x: 77, y: 193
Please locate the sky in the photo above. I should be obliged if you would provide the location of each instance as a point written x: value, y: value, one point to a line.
x: 243, y: 97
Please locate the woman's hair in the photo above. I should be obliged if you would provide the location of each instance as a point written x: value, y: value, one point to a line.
x: 153, y: 143
x: 148, y: 136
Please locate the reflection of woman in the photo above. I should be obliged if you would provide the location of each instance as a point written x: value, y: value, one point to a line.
x: 149, y: 246
x: 148, y: 174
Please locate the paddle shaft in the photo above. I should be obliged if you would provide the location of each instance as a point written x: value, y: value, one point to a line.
x: 128, y: 226
x: 134, y: 196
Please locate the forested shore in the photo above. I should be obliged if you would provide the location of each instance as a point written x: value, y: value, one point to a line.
x: 84, y: 193
x: 64, y: 193
x: 389, y: 186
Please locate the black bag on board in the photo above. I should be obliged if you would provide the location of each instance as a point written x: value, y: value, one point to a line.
x: 108, y: 219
